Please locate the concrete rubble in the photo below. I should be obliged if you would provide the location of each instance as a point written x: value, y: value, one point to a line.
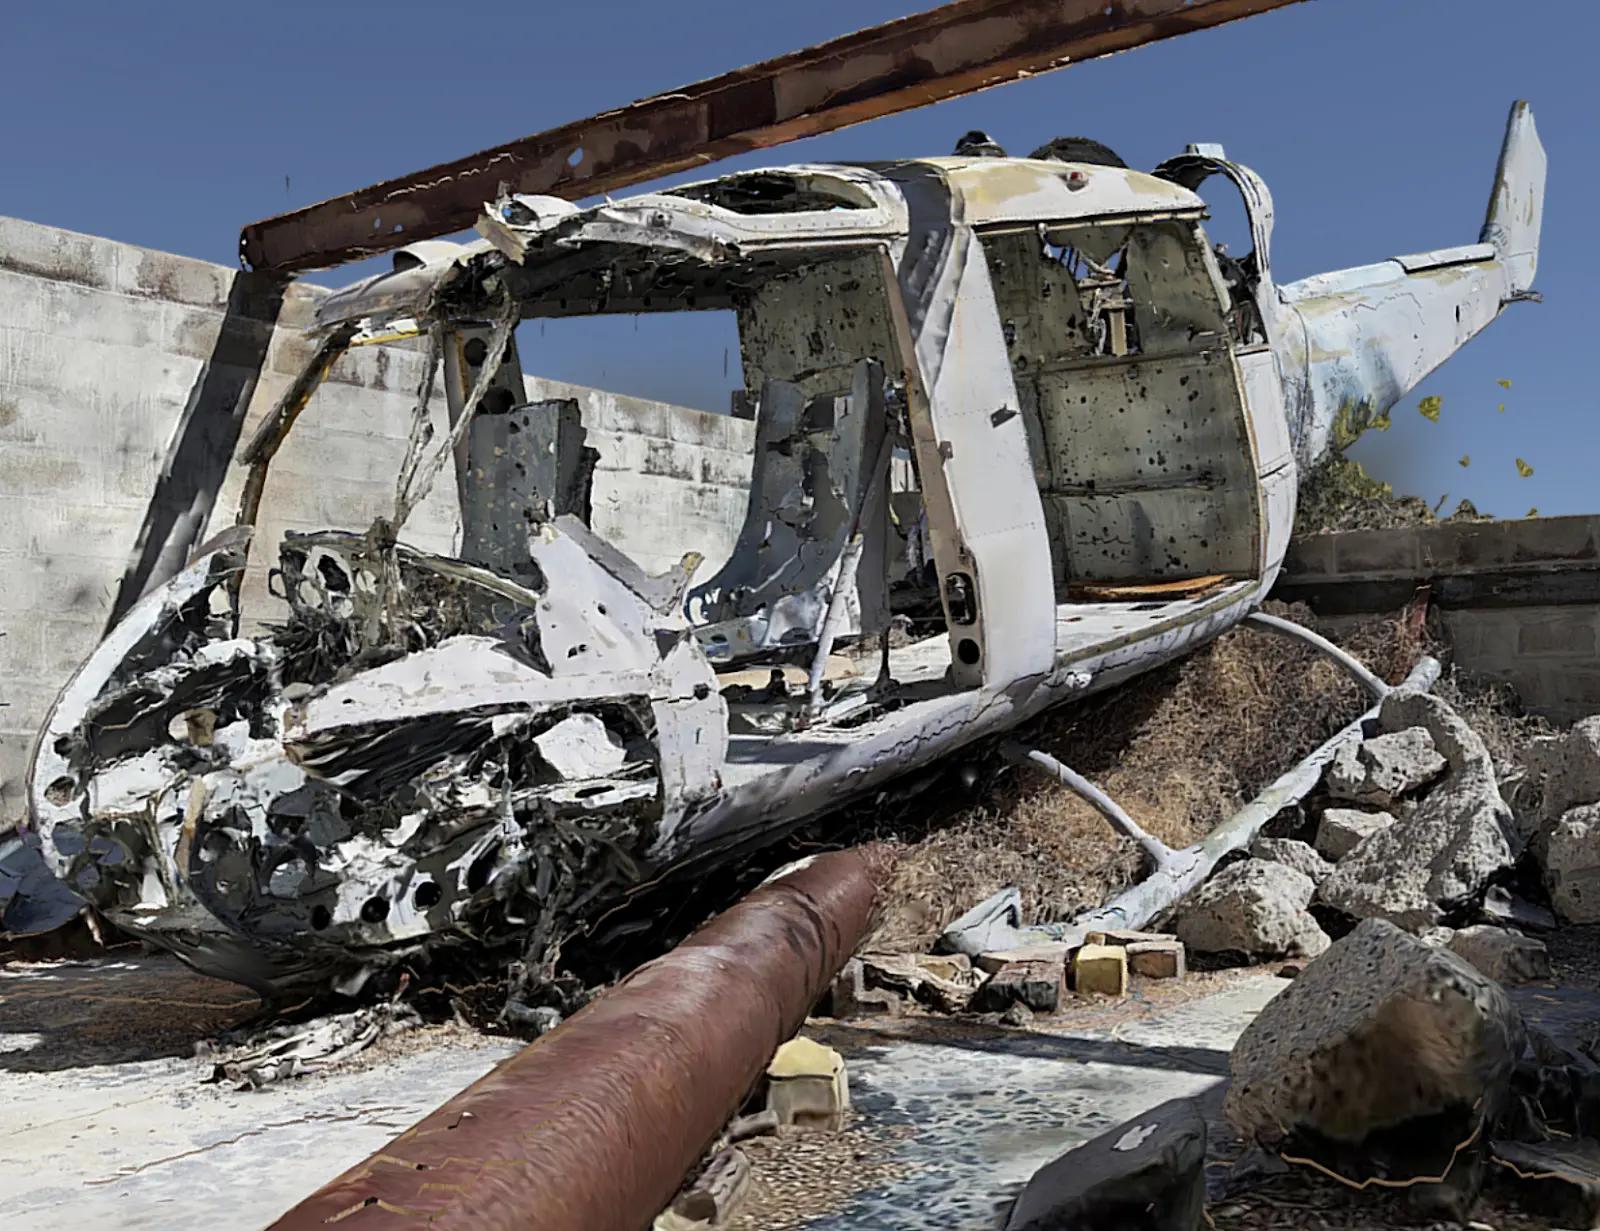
x: 1442, y: 855
x: 1341, y: 830
x: 1254, y: 908
x: 1385, y: 1057
x: 1567, y: 844
x: 1381, y: 771
x: 1505, y: 956
x: 1300, y: 856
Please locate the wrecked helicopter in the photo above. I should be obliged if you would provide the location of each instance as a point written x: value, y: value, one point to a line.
x: 1026, y: 401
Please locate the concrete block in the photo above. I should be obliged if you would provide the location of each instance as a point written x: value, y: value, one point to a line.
x: 807, y: 1086
x: 33, y: 470
x: 164, y: 276
x: 198, y: 334
x: 1100, y: 970
x: 1310, y: 557
x: 1157, y: 959
x: 1055, y: 951
x: 84, y: 314
x: 952, y: 967
x: 1038, y: 985
x: 44, y: 587
x: 850, y: 997
x: 53, y: 254
x: 1506, y: 956
x: 1341, y: 830
x: 1382, y: 552
x: 725, y: 469
x: 22, y: 300
x: 1565, y: 633
x: 1123, y: 936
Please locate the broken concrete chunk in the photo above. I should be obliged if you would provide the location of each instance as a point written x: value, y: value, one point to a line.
x: 851, y: 997
x: 1157, y: 959
x: 916, y: 976
x: 581, y: 746
x: 1058, y: 951
x: 1291, y: 854
x: 712, y: 1199
x: 756, y: 1124
x: 1505, y: 956
x: 1381, y: 770
x: 1383, y: 1044
x: 1123, y: 937
x: 951, y: 967
x: 1255, y: 908
x: 1100, y: 970
x: 1574, y: 776
x: 1570, y: 851
x: 1035, y: 984
x: 1148, y: 1173
x: 1018, y: 1016
x: 1341, y: 830
x: 1443, y: 854
x: 806, y: 1085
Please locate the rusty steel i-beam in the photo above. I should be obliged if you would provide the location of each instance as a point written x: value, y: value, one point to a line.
x: 956, y: 49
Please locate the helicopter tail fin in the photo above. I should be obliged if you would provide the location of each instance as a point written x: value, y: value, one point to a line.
x: 1516, y: 208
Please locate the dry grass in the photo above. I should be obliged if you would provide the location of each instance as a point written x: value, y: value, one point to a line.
x: 1181, y: 749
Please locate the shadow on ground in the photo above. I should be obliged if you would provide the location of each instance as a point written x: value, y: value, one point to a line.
x: 65, y: 1015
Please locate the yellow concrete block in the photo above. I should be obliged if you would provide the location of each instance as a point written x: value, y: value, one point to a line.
x: 806, y: 1085
x: 1101, y: 970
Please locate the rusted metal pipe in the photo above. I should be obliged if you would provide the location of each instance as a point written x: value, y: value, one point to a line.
x: 594, y: 1126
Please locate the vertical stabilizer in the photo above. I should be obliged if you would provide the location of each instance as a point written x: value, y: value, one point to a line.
x: 1516, y: 207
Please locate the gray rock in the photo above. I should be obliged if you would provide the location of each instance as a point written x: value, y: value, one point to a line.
x: 1341, y: 830
x: 1574, y: 776
x: 1379, y: 1034
x: 1148, y: 1173
x: 1252, y: 907
x: 1505, y: 956
x: 1570, y: 853
x: 1504, y: 909
x: 1439, y: 938
x: 1380, y: 771
x: 1291, y: 854
x: 1442, y: 855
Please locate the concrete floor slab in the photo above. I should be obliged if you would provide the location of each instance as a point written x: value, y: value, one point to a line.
x: 987, y: 1106
x: 108, y: 1121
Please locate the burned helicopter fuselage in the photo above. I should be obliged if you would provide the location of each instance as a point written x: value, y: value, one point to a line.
x: 1027, y: 397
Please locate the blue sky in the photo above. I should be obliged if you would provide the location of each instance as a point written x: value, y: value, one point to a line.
x: 1375, y: 122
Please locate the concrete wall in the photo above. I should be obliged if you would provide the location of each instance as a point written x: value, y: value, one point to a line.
x: 669, y: 479
x: 103, y: 346
x: 1520, y: 600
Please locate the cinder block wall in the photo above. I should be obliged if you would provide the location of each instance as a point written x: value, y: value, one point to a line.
x: 101, y: 346
x: 669, y: 479
x: 1519, y: 599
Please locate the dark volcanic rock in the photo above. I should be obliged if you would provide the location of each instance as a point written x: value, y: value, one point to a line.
x: 1386, y: 1057
x: 1147, y: 1174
